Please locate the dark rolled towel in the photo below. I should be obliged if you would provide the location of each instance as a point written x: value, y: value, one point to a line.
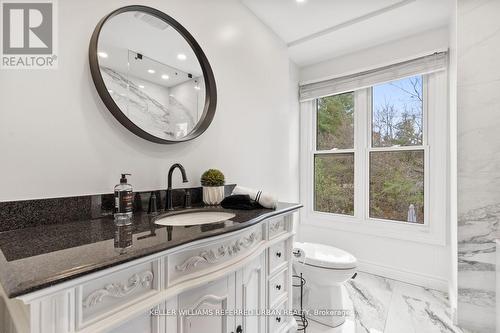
x: 240, y: 201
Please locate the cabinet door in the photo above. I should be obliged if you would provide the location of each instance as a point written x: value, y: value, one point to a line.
x: 251, y: 295
x: 145, y: 323
x: 205, y: 304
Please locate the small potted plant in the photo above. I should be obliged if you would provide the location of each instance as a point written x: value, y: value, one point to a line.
x: 212, y: 181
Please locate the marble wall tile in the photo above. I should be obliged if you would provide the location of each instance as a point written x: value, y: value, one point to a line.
x: 478, y: 46
x: 154, y: 109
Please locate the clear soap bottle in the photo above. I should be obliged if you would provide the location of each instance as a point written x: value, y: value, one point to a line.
x: 124, y: 200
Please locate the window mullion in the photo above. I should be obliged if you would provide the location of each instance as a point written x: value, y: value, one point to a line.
x: 395, y: 148
x: 333, y: 151
x: 360, y: 125
x: 367, y: 142
x: 313, y: 126
x: 425, y: 108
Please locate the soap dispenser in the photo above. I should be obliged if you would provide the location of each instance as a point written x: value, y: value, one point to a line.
x: 124, y: 200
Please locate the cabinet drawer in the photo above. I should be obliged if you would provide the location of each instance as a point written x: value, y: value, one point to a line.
x: 212, y: 255
x: 277, y: 226
x: 278, y: 320
x: 105, y: 295
x: 278, y: 257
x: 277, y: 288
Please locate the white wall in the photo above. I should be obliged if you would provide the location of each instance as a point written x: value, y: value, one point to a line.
x: 414, y: 262
x: 58, y: 139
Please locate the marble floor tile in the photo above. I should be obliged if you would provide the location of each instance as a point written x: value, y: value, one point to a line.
x: 348, y: 327
x: 415, y: 309
x: 371, y: 296
x: 384, y: 305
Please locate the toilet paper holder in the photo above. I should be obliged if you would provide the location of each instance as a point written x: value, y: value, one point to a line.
x: 299, y: 283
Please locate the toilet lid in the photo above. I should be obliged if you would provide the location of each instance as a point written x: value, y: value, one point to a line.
x: 324, y: 256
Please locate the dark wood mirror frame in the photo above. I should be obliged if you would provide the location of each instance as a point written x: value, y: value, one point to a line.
x: 210, y: 86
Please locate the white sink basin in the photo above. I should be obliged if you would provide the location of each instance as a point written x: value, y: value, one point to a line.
x: 194, y: 218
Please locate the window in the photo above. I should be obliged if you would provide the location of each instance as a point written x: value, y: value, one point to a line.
x: 334, y: 155
x: 374, y: 151
x: 392, y: 137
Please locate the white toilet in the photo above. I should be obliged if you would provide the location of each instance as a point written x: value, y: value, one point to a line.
x: 324, y: 269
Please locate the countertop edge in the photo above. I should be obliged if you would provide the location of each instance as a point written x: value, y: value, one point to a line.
x: 69, y: 275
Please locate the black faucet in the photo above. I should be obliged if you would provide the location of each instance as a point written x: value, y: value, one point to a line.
x: 169, y: 205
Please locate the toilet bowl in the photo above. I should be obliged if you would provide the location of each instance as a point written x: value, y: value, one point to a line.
x: 325, y: 269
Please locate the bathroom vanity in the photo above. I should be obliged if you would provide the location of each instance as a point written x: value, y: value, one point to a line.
x: 73, y: 277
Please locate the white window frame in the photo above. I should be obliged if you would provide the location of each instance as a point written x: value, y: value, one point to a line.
x: 435, y: 146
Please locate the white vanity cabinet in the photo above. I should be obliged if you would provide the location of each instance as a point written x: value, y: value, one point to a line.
x: 141, y: 324
x: 243, y: 292
x: 230, y: 283
x: 207, y: 304
x: 250, y: 295
x: 239, y: 291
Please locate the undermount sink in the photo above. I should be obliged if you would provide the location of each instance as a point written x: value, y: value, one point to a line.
x: 194, y: 218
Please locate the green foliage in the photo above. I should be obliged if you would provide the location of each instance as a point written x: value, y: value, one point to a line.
x: 335, y: 121
x: 212, y: 177
x: 396, y: 182
x: 334, y: 183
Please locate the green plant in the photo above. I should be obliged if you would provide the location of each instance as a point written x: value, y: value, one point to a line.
x: 212, y: 177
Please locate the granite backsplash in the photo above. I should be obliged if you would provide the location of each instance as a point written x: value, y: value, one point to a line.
x: 30, y: 213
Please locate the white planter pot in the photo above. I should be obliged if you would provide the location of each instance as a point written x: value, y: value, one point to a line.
x: 213, y: 195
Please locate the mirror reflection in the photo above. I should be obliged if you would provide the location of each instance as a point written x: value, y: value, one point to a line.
x: 152, y: 74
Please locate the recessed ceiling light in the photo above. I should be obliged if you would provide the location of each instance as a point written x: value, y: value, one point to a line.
x: 141, y: 86
x: 181, y: 56
x: 165, y: 77
x: 102, y: 54
x: 300, y: 1
x: 151, y: 71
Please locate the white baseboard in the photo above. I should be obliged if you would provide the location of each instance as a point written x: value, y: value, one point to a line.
x: 419, y: 279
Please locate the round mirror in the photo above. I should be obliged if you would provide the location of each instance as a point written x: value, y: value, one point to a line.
x: 152, y: 75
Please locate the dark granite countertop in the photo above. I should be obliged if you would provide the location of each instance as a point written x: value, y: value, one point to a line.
x: 37, y: 257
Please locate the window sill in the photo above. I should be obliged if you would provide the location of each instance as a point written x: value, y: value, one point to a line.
x: 387, y: 229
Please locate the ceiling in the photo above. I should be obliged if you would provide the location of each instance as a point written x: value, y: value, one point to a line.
x: 318, y: 30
